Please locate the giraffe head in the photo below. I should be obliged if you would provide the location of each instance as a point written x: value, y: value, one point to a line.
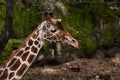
x: 54, y: 31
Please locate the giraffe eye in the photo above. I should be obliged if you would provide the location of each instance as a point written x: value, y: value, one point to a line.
x: 54, y: 30
x: 48, y: 26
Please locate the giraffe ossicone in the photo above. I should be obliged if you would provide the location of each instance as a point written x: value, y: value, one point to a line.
x: 49, y: 30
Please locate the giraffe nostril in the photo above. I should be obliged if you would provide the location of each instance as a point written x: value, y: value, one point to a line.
x: 73, y: 40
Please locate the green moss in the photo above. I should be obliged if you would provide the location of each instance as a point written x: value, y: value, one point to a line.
x: 2, y: 13
x: 13, y: 44
x: 110, y: 35
x: 81, y: 22
x: 26, y: 19
x: 88, y: 45
x: 45, y: 46
x: 21, y: 22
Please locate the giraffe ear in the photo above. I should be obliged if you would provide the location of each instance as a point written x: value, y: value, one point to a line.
x: 55, y: 20
x: 59, y: 20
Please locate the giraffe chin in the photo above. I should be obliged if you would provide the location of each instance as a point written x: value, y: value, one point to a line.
x: 75, y: 45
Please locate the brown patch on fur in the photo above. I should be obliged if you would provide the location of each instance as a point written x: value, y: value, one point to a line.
x: 34, y: 49
x: 15, y: 65
x: 54, y: 38
x: 24, y: 56
x: 45, y: 35
x: 27, y: 48
x: 36, y: 42
x: 30, y: 59
x: 13, y: 79
x: 30, y: 42
x: 4, y: 75
x: 12, y: 62
x: 38, y: 39
x: 38, y: 31
x: 39, y: 45
x: 11, y: 75
x: 19, y: 53
x: 22, y: 70
x: 1, y: 71
x: 49, y: 38
x: 35, y: 36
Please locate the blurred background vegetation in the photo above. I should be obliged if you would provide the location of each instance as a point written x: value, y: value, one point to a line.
x: 94, y: 23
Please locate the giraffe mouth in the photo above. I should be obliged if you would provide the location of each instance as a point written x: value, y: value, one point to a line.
x: 75, y: 45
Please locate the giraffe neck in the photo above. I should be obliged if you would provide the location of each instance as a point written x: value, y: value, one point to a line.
x: 23, y: 57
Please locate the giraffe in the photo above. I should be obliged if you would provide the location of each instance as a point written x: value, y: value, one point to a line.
x: 50, y: 30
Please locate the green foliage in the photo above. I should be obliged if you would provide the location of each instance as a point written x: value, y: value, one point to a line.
x: 79, y: 24
x: 21, y: 22
x: 88, y: 45
x: 110, y: 35
x: 26, y: 19
x: 45, y: 47
x: 2, y: 13
x: 100, y: 10
x: 13, y: 44
x: 81, y: 21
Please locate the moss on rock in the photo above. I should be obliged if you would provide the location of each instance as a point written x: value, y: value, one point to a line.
x: 12, y: 44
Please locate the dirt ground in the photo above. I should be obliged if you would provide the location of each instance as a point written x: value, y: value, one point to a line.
x: 81, y: 69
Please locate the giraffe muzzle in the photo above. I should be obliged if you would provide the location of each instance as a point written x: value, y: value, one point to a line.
x: 75, y: 45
